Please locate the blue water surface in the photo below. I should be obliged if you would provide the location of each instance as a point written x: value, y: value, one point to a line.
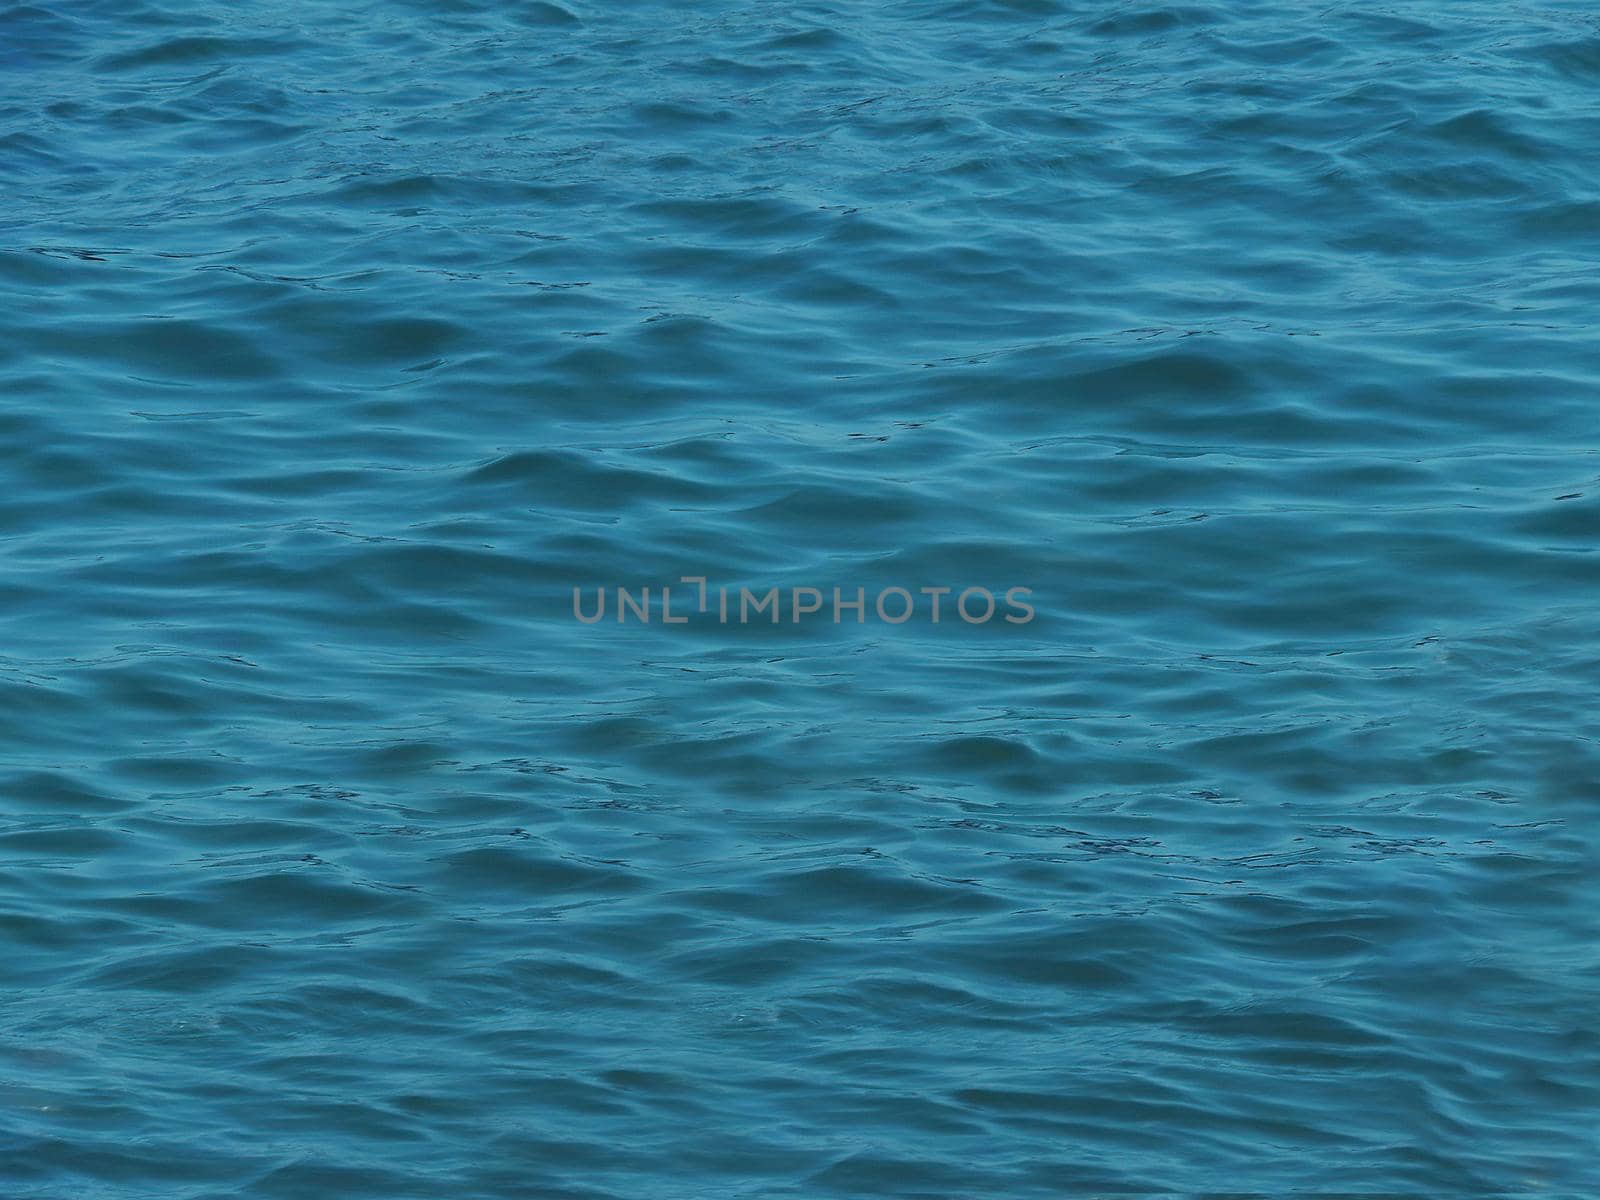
x: 340, y: 342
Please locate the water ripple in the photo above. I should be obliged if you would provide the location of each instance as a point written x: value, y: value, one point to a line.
x: 343, y: 342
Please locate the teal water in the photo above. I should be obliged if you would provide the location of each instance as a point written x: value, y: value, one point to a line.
x: 340, y: 342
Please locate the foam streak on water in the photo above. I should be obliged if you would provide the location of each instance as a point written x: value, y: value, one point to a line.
x: 340, y: 341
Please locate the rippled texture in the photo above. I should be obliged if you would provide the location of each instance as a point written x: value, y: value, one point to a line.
x: 341, y: 341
